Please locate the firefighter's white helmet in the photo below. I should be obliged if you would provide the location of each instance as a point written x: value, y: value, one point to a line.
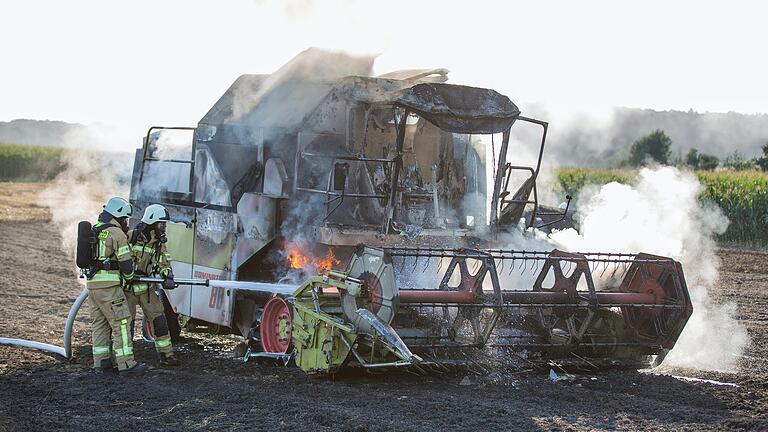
x: 118, y: 207
x: 155, y: 213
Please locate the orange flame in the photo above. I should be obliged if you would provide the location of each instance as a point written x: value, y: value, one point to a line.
x: 297, y: 260
x: 326, y: 263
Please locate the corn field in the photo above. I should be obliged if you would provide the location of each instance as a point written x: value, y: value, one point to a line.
x: 572, y: 180
x: 742, y: 195
x: 30, y: 163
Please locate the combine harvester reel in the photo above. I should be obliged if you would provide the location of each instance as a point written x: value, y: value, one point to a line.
x: 563, y: 317
x: 642, y: 316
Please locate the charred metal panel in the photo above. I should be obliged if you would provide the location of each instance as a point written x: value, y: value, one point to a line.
x: 210, y: 184
x: 315, y: 161
x: 215, y: 231
x: 372, y: 90
x: 276, y: 182
x: 257, y: 215
x: 330, y: 116
x: 240, y: 158
x: 461, y: 109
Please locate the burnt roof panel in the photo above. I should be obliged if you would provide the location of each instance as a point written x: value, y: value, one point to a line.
x: 461, y: 109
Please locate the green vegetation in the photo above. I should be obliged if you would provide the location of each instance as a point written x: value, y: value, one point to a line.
x: 652, y: 147
x: 30, y: 163
x: 737, y: 162
x: 701, y: 161
x: 762, y: 162
x: 572, y: 180
x: 734, y: 162
x: 655, y: 147
x: 742, y: 195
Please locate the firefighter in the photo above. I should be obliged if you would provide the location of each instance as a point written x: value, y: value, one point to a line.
x: 150, y: 257
x: 110, y: 315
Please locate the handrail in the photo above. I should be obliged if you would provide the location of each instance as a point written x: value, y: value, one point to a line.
x: 337, y: 194
x: 346, y: 157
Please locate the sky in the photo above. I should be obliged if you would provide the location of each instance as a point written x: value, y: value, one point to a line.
x: 140, y: 63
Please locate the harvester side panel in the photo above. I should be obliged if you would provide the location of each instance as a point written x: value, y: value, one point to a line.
x: 181, y: 240
x: 214, y: 243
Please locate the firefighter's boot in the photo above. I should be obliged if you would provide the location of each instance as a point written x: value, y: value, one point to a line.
x: 106, y: 366
x: 168, y: 359
x: 139, y: 369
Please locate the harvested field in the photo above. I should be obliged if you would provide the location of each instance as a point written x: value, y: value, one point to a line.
x: 211, y: 391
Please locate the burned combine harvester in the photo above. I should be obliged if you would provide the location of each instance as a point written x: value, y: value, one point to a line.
x: 342, y: 219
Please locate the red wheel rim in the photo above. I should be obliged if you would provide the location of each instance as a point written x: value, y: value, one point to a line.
x: 276, y: 326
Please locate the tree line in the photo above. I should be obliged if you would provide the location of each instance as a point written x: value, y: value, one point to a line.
x: 656, y: 147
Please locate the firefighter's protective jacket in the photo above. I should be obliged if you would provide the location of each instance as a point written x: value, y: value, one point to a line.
x: 112, y: 246
x: 150, y: 256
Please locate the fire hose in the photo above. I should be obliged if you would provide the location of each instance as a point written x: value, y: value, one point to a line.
x: 66, y: 351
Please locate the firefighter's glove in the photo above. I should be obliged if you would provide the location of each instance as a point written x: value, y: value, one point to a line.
x: 169, y: 283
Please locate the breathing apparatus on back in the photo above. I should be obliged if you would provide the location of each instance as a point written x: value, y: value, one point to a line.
x: 87, y: 258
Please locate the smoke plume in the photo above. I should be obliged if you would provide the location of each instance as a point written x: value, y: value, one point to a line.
x: 661, y: 214
x: 80, y: 191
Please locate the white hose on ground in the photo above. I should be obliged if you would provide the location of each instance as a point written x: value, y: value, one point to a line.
x: 32, y: 344
x: 71, y: 321
x: 65, y: 352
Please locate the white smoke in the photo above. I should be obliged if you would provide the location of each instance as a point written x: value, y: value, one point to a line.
x: 661, y: 214
x: 80, y: 191
x: 260, y: 101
